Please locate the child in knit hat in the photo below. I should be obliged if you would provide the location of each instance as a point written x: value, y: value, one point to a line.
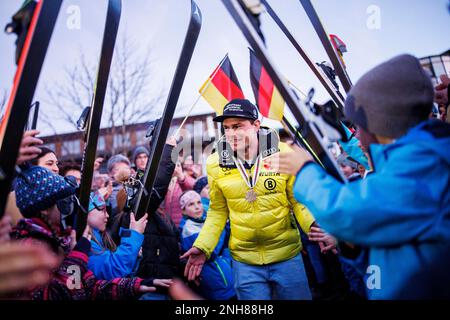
x: 399, y: 215
x: 216, y: 280
x: 106, y: 260
x: 37, y: 191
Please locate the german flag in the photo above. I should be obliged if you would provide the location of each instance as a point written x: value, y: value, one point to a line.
x: 222, y: 86
x: 268, y: 99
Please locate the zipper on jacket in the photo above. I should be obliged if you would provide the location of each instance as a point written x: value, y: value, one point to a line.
x: 221, y: 273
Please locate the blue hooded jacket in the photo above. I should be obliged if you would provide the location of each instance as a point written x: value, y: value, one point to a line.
x: 216, y: 279
x: 109, y: 265
x: 400, y: 213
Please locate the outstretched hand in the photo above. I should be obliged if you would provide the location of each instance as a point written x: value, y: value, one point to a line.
x: 289, y: 162
x: 326, y: 241
x: 194, y: 264
x: 28, y: 149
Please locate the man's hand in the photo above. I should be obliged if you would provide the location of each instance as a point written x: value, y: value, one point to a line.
x: 326, y: 241
x: 289, y: 162
x: 171, y: 141
x: 178, y: 172
x: 441, y: 90
x: 197, y: 169
x: 28, y: 150
x: 195, y: 263
x: 166, y: 283
x: 139, y: 225
x: 145, y: 289
x: 97, y: 163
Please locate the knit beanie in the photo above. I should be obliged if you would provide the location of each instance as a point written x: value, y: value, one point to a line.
x: 200, y: 184
x: 118, y: 158
x: 391, y: 98
x: 187, y: 197
x: 38, y: 189
x: 96, y: 200
x: 138, y: 151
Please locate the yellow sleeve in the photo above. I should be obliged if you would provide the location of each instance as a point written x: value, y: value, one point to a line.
x: 304, y: 217
x: 217, y: 214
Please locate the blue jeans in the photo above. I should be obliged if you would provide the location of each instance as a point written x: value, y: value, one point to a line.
x: 284, y: 280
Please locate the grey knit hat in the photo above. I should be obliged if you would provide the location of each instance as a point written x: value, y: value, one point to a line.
x: 117, y: 159
x: 391, y: 98
x: 137, y: 151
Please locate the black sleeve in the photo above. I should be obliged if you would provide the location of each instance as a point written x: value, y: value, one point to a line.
x: 162, y: 181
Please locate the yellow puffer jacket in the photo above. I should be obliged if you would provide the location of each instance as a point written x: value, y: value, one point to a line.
x: 262, y: 232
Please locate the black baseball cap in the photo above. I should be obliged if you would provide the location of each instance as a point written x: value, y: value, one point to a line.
x: 238, y: 108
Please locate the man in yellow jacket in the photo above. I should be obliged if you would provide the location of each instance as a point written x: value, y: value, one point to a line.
x: 265, y: 241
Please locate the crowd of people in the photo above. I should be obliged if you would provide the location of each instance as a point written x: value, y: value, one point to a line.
x: 265, y: 221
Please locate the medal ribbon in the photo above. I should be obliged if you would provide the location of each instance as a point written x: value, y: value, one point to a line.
x: 250, y: 181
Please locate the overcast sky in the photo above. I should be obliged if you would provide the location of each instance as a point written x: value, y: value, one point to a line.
x: 419, y: 27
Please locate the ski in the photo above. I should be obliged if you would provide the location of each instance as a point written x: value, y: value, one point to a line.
x: 93, y: 117
x: 310, y: 124
x: 329, y: 48
x: 34, y: 24
x: 162, y: 129
x: 329, y: 87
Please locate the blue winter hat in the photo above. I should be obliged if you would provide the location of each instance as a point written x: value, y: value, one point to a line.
x: 96, y: 200
x: 38, y: 189
x: 200, y: 184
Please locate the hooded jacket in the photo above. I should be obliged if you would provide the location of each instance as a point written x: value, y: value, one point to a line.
x: 108, y: 265
x: 400, y: 213
x: 216, y: 278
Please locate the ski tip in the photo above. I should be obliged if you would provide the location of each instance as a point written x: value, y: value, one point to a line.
x: 195, y: 10
x: 115, y: 5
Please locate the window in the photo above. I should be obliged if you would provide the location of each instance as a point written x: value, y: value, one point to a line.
x: 70, y: 147
x: 140, y: 137
x: 101, y: 143
x: 438, y: 66
x: 121, y: 140
x: 447, y: 64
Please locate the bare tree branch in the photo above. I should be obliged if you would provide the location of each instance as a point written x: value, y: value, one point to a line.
x: 128, y: 91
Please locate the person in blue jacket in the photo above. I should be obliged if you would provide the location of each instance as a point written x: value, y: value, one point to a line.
x: 106, y: 260
x: 216, y: 279
x: 398, y: 218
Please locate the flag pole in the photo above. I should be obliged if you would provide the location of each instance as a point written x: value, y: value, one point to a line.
x: 296, y: 88
x: 203, y: 89
x: 187, y: 116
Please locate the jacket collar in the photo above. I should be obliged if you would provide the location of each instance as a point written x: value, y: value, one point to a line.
x: 268, y: 145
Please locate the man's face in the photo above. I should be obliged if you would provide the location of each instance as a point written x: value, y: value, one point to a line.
x: 141, y: 161
x: 365, y: 138
x: 240, y: 133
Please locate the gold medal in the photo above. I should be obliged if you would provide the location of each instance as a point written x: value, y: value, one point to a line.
x: 251, y: 196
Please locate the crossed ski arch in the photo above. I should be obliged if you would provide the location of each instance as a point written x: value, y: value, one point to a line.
x: 32, y: 57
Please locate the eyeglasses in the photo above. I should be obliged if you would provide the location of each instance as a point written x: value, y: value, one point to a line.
x: 99, y: 207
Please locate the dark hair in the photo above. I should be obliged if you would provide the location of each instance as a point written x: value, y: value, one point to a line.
x: 44, y: 151
x: 69, y: 166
